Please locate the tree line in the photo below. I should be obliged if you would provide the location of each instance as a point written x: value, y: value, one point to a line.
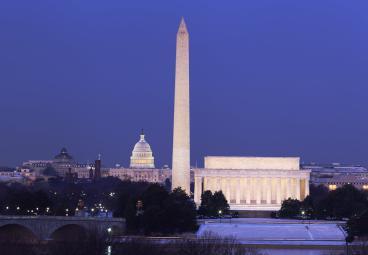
x: 344, y: 202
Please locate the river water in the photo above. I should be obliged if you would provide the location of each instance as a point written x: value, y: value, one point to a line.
x: 109, y: 250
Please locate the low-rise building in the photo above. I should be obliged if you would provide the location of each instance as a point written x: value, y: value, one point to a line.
x: 137, y: 175
x: 37, y: 165
x: 21, y: 175
x: 336, y: 175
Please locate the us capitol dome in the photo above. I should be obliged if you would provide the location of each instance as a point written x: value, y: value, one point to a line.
x: 142, y: 155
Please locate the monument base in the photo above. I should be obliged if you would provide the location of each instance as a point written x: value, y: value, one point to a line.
x: 254, y: 214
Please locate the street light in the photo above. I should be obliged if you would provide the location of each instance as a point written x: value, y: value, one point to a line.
x: 109, y: 231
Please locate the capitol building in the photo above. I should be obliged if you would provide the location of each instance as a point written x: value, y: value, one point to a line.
x: 142, y: 166
x: 141, y: 169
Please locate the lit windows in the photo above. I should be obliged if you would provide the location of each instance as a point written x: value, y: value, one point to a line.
x: 332, y: 186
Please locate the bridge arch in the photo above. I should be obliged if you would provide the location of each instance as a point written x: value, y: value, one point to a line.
x: 17, y: 233
x: 69, y: 233
x: 59, y: 227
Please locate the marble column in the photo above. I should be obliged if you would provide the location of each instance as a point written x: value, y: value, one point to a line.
x: 258, y: 188
x: 284, y: 189
x: 218, y: 184
x: 197, y: 189
x: 241, y: 189
x: 293, y: 187
x: 227, y: 189
x: 288, y: 188
x: 306, y: 187
x: 278, y: 190
x: 213, y: 184
x: 247, y: 189
x: 297, y: 189
x: 268, y: 190
x: 223, y: 186
x: 205, y: 184
x: 237, y: 190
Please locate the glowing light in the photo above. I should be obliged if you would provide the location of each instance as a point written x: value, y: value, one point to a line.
x: 332, y: 187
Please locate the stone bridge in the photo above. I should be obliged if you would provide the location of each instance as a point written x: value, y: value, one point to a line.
x: 43, y: 228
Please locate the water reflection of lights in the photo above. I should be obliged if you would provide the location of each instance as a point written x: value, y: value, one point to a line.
x: 108, y: 250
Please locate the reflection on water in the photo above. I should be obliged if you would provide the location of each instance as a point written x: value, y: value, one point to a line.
x: 16, y: 249
x: 108, y: 250
x: 326, y: 251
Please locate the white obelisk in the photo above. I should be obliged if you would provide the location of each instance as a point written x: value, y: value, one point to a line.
x: 181, y: 140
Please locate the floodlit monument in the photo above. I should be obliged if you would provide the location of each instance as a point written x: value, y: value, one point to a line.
x: 181, y: 140
x: 248, y: 183
x: 142, y: 166
x: 142, y: 154
x: 253, y: 183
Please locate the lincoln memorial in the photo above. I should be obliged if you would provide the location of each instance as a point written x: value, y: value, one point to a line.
x: 252, y: 183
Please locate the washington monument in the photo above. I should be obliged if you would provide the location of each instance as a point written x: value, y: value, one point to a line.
x: 181, y: 140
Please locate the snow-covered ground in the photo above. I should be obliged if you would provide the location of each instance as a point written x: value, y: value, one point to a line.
x: 278, y: 232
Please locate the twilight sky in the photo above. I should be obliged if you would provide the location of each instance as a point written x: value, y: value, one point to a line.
x: 268, y: 78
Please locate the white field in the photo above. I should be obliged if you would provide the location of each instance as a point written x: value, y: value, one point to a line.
x: 278, y: 232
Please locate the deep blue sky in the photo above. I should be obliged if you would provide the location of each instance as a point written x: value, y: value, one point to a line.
x: 268, y: 78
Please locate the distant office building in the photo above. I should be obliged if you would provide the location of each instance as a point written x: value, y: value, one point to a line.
x: 8, y: 174
x: 28, y: 174
x: 142, y: 166
x: 37, y: 165
x: 22, y: 175
x: 83, y: 171
x: 336, y: 175
x: 64, y: 165
x: 61, y: 163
